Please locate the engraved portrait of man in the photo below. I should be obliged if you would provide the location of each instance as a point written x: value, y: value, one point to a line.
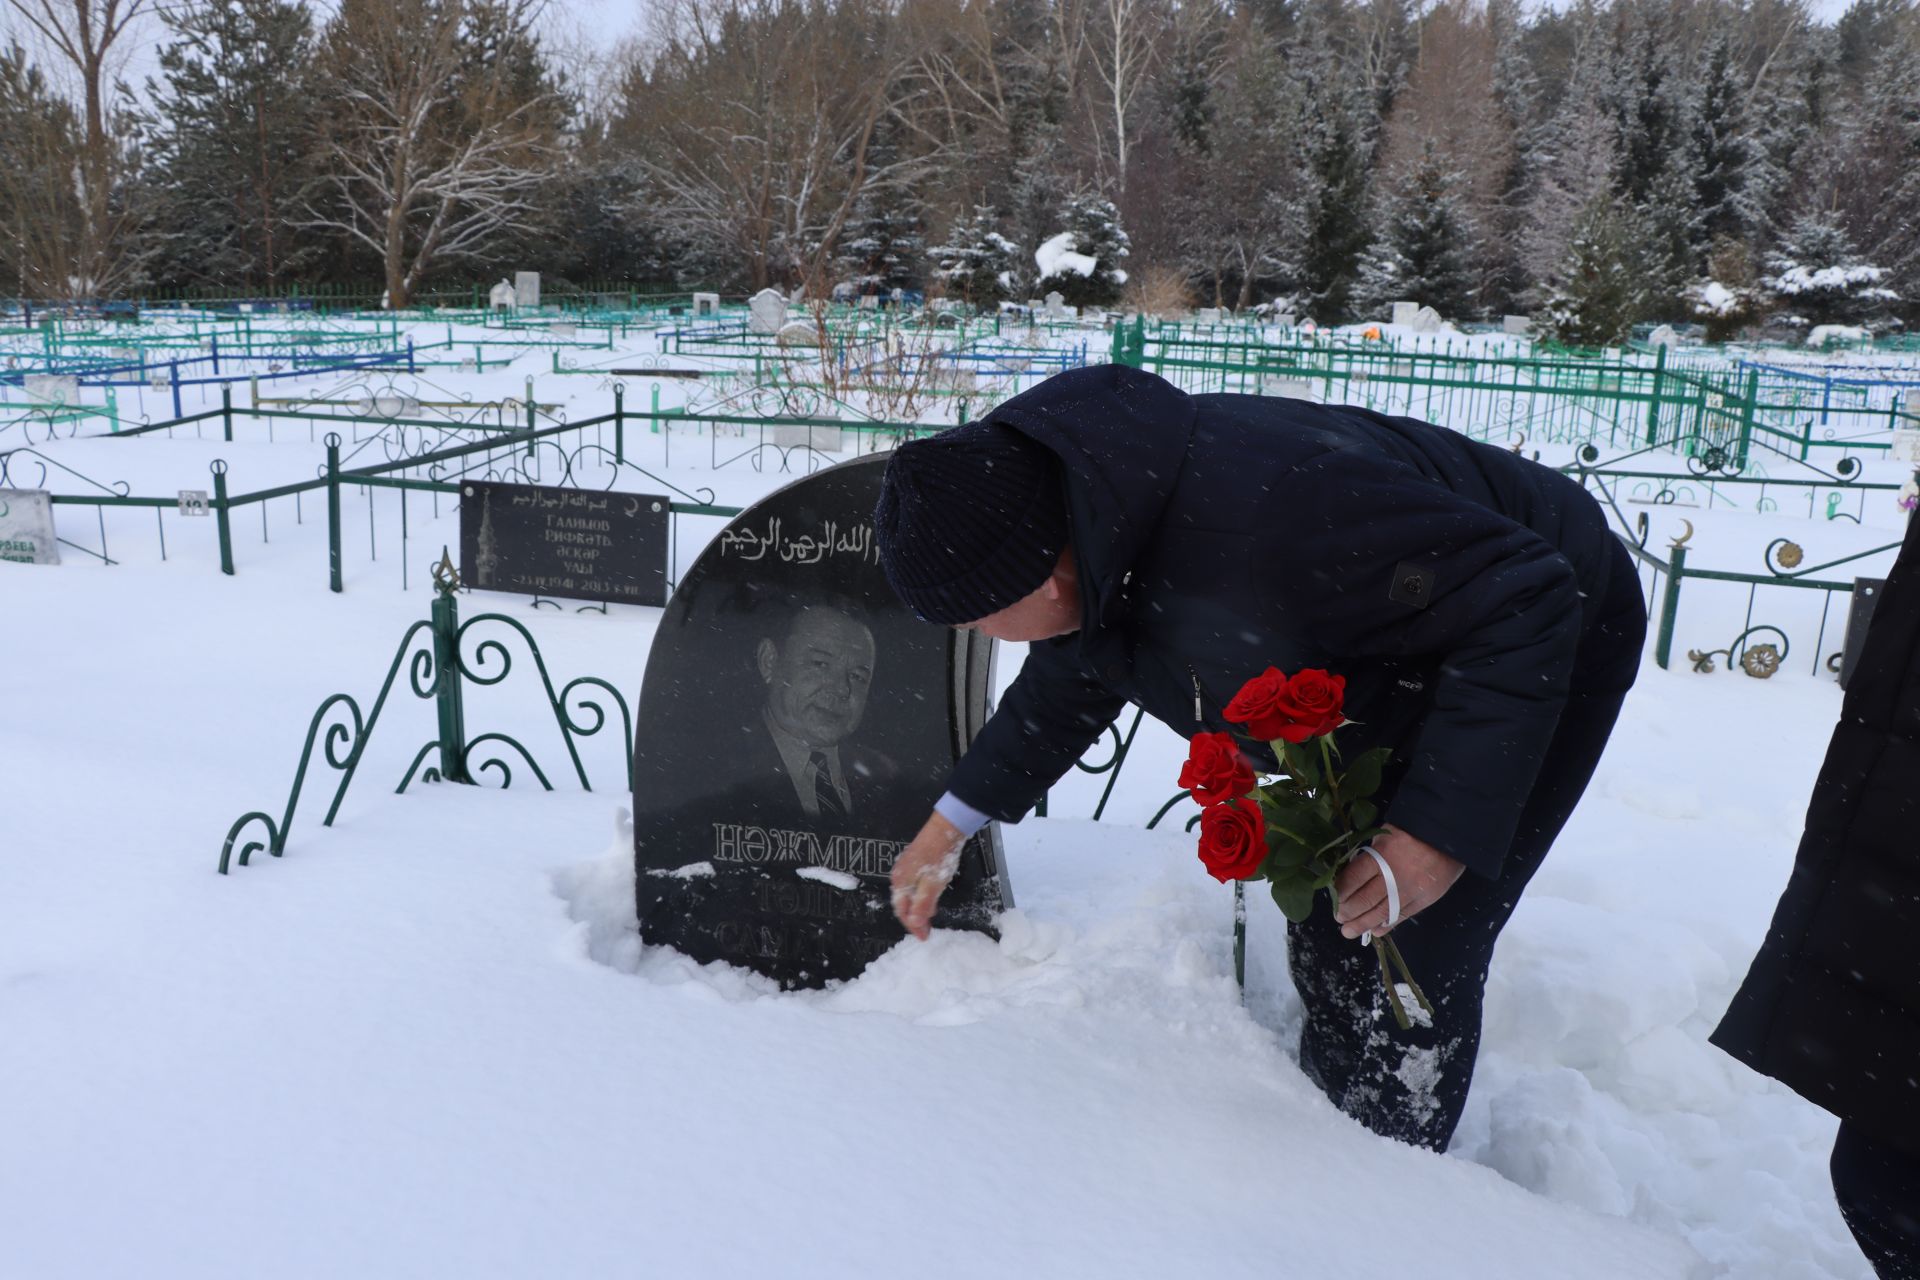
x: 818, y: 669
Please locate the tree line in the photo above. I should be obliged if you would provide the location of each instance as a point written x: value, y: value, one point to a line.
x: 1723, y: 161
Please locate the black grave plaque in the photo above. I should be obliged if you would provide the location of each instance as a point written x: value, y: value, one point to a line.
x: 575, y: 543
x: 796, y: 726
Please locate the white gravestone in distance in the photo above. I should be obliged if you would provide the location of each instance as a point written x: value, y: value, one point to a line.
x: 26, y: 527
x: 1208, y: 315
x: 1906, y: 445
x: 1427, y: 320
x: 706, y: 304
x: 767, y: 311
x: 1056, y: 305
x: 501, y: 297
x: 1664, y: 336
x: 526, y: 288
x: 53, y: 388
x: 800, y: 333
x: 1516, y: 326
x: 1404, y: 312
x: 789, y: 435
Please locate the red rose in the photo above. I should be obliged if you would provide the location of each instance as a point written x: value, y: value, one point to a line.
x: 1312, y: 702
x: 1233, y: 839
x: 1215, y: 770
x: 1304, y: 706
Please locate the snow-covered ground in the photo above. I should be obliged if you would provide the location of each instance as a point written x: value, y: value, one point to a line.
x: 427, y: 1041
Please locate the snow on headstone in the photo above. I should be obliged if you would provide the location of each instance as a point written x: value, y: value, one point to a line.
x: 1404, y: 313
x: 1056, y: 305
x: 526, y: 288
x: 1516, y: 326
x: 767, y: 311
x: 1427, y: 320
x: 1292, y: 388
x: 799, y: 333
x: 1664, y: 336
x: 706, y: 304
x: 502, y: 297
x: 869, y: 302
x: 53, y: 388
x: 1286, y: 320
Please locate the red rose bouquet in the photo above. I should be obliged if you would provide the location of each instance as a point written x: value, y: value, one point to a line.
x: 1297, y: 830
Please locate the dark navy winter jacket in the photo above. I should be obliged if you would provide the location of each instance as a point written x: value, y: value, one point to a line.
x: 1217, y: 535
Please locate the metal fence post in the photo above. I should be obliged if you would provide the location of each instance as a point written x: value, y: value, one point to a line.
x: 226, y: 413
x: 219, y: 469
x: 619, y: 423
x: 1659, y: 384
x: 333, y: 510
x: 1749, y: 406
x: 1670, y: 606
x: 173, y: 380
x: 447, y: 696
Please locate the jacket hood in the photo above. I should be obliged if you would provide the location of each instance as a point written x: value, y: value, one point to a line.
x: 1121, y: 435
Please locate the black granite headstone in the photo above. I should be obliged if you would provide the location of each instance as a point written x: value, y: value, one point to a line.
x: 796, y: 726
x: 1866, y: 595
x: 576, y: 543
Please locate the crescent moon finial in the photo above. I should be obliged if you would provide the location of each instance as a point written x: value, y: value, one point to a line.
x: 1684, y: 538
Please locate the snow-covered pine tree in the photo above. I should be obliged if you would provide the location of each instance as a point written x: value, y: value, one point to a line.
x: 1333, y: 131
x: 1083, y: 261
x: 232, y: 119
x: 1513, y: 93
x: 883, y: 248
x: 1040, y: 188
x: 1666, y: 226
x: 1723, y: 153
x: 978, y: 265
x: 1878, y: 178
x: 1600, y: 289
x: 1816, y: 276
x: 1728, y: 298
x: 1424, y: 248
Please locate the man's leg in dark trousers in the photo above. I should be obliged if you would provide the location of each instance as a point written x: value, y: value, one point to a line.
x: 1878, y: 1188
x: 1412, y: 1085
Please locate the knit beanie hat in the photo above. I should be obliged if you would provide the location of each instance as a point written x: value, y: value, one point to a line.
x: 969, y: 521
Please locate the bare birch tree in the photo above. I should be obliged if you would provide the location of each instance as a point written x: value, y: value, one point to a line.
x: 754, y: 123
x: 439, y: 129
x: 1123, y: 43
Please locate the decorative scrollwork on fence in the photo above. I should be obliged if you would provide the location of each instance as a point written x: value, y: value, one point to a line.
x: 1760, y: 661
x: 1713, y: 459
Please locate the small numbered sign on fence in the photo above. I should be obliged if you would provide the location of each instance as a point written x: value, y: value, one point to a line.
x: 193, y: 502
x: 1906, y: 445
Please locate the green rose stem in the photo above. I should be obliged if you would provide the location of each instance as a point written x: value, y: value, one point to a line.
x: 1385, y: 949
